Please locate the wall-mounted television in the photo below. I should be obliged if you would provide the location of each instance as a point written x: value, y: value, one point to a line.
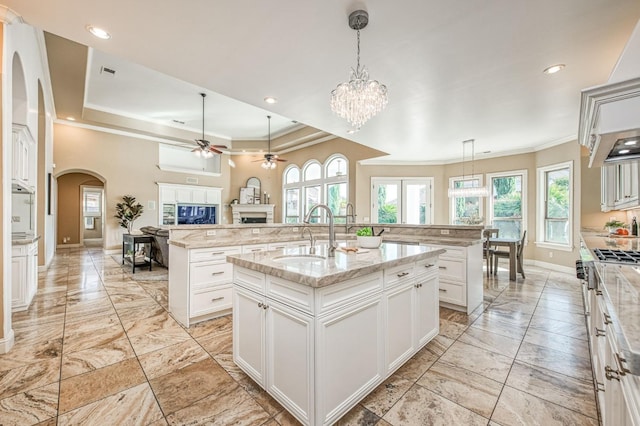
x: 194, y: 214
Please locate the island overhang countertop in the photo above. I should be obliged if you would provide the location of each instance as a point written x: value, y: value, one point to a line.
x: 321, y: 270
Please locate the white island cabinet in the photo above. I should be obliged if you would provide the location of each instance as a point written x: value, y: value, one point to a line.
x: 320, y: 335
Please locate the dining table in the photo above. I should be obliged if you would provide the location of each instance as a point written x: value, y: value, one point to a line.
x: 512, y: 244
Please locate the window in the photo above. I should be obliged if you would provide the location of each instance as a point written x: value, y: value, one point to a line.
x: 326, y: 183
x: 508, y: 202
x: 466, y: 210
x: 402, y: 200
x: 554, y: 205
x: 92, y: 202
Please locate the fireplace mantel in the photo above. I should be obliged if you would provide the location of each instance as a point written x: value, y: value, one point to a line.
x: 252, y: 212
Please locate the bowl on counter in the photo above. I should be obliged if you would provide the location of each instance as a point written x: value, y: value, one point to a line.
x: 369, y: 242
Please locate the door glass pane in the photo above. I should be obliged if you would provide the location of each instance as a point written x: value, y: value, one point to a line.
x: 415, y: 207
x: 312, y: 197
x: 388, y: 203
x: 292, y: 213
x: 507, y: 205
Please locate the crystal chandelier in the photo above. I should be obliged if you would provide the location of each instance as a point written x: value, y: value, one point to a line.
x: 359, y: 99
x: 468, y: 191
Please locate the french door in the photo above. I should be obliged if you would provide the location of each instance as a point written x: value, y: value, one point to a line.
x: 402, y: 200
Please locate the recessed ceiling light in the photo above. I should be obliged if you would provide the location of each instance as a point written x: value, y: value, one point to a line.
x: 624, y: 151
x: 553, y: 69
x: 270, y: 100
x: 71, y: 118
x: 98, y: 32
x: 631, y: 142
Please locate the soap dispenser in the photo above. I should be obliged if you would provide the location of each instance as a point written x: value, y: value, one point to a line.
x: 634, y: 227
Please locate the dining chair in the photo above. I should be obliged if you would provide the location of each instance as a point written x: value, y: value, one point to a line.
x: 487, y: 250
x: 497, y: 254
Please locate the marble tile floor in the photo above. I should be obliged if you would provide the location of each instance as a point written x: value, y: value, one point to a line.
x: 98, y: 347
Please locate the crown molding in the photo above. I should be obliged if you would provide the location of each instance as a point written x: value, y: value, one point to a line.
x: 8, y: 16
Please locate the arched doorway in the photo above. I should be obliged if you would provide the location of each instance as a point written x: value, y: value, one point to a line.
x: 80, y: 218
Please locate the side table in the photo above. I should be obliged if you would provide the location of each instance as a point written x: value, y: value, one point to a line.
x: 131, y: 252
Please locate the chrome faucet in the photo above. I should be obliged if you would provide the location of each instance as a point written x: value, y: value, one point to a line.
x: 312, y: 241
x: 332, y: 233
x: 347, y: 227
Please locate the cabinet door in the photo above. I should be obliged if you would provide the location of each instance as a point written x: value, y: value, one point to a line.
x: 183, y: 195
x: 607, y: 188
x: 198, y: 196
x: 19, y: 283
x: 168, y: 196
x: 349, y: 356
x: 427, y: 310
x: 249, y: 333
x: 399, y: 326
x: 290, y: 361
x: 213, y: 196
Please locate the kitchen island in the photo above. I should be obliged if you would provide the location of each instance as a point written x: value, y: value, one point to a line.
x: 612, y: 306
x: 319, y: 333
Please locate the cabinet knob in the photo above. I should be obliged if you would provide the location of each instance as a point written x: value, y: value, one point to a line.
x: 260, y: 305
x: 265, y: 306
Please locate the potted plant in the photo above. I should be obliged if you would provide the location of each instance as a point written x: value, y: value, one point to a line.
x: 613, y: 225
x: 128, y: 211
x: 366, y: 239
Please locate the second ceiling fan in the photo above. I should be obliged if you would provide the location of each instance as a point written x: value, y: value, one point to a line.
x: 270, y: 160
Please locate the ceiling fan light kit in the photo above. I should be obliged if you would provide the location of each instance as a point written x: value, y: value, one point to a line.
x: 204, y: 148
x: 270, y: 160
x: 360, y: 98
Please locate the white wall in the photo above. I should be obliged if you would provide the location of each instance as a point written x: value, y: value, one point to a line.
x: 28, y: 43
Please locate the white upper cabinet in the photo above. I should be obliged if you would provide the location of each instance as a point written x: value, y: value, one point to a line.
x: 23, y: 171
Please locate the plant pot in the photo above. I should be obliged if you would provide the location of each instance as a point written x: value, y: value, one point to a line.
x: 369, y: 242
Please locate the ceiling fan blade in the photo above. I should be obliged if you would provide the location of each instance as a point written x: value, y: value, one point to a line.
x: 220, y: 146
x: 212, y: 149
x: 279, y: 159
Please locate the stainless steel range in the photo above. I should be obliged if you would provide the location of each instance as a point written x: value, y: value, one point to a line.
x: 617, y: 256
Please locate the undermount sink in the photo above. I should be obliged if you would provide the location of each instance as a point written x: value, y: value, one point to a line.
x: 297, y: 259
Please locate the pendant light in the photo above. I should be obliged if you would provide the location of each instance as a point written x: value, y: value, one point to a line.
x: 468, y: 191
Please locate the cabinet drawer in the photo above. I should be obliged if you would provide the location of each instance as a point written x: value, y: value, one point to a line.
x: 252, y: 248
x: 426, y: 267
x: 250, y: 279
x: 210, y: 300
x: 452, y: 293
x: 452, y: 269
x: 452, y: 251
x: 399, y: 275
x: 212, y: 253
x: 335, y: 296
x: 290, y: 293
x: 208, y: 274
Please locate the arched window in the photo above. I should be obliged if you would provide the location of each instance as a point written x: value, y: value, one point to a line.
x: 291, y: 194
x: 326, y: 183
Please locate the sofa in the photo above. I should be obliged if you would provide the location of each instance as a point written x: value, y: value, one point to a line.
x: 160, y: 246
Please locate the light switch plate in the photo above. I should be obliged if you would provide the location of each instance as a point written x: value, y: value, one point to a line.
x: 211, y: 232
x: 294, y: 230
x: 255, y: 231
x: 444, y: 232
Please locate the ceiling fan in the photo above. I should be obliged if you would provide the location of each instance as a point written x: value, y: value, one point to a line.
x: 205, y: 148
x: 270, y: 160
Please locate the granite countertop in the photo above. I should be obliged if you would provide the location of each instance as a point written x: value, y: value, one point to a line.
x: 621, y: 287
x: 23, y: 238
x: 326, y: 271
x: 340, y: 239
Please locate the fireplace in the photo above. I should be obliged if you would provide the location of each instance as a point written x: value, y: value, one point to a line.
x: 252, y: 213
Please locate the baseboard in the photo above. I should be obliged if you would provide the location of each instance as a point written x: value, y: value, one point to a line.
x: 551, y: 266
x: 112, y: 251
x: 7, y: 343
x: 61, y: 246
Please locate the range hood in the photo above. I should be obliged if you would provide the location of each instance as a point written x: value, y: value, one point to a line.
x: 610, y: 122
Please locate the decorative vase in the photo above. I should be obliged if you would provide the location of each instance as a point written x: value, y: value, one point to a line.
x: 369, y: 242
